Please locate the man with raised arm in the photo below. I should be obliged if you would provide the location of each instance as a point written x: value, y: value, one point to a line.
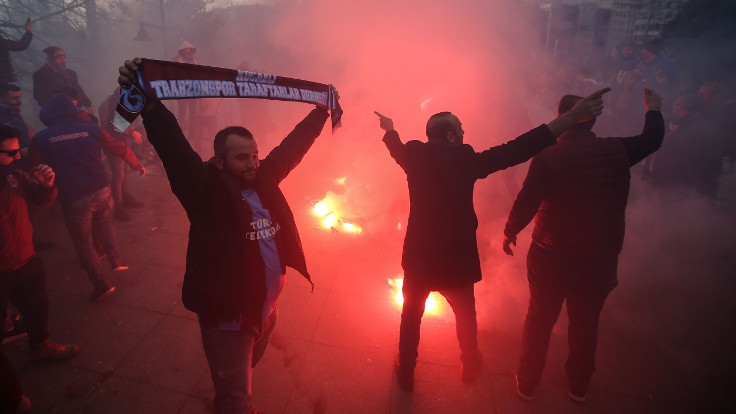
x: 440, y: 248
x: 242, y: 236
x: 577, y: 190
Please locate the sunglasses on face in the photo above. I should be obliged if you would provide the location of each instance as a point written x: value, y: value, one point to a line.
x: 11, y: 153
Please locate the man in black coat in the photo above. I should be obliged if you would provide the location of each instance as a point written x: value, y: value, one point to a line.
x: 53, y: 77
x: 242, y: 237
x: 440, y: 248
x: 7, y: 74
x: 576, y: 191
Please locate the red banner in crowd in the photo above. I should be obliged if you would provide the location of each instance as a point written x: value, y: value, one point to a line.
x: 158, y: 79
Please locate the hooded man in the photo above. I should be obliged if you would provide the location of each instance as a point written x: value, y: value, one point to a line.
x: 72, y: 148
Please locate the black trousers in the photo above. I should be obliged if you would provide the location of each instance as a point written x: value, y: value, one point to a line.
x: 462, y: 302
x: 10, y: 391
x: 26, y: 288
x: 583, y: 284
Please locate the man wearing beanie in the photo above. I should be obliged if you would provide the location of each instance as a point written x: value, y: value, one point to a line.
x: 577, y: 190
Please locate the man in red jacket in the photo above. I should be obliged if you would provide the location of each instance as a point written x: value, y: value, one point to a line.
x: 22, y: 278
x: 578, y: 190
x: 440, y: 248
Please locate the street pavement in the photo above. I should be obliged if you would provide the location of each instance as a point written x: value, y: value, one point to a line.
x: 666, y: 343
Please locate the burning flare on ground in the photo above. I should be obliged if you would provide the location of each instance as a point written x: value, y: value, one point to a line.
x: 431, y: 306
x: 331, y: 216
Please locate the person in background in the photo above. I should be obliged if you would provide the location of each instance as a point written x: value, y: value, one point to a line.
x: 73, y: 148
x: 22, y: 276
x: 53, y: 76
x: 7, y: 74
x: 119, y: 184
x: 577, y: 190
x: 187, y: 113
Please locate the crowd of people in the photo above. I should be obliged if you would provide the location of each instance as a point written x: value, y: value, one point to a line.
x: 64, y: 163
x: 243, y: 234
x: 699, y: 148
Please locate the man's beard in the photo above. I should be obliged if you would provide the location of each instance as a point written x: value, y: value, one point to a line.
x: 244, y: 182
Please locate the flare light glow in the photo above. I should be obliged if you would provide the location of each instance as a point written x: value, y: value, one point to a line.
x: 331, y: 216
x: 431, y: 305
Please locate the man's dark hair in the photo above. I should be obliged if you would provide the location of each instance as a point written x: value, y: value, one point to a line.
x: 221, y: 138
x: 438, y: 125
x: 566, y: 103
x: 53, y: 51
x: 7, y: 132
x: 8, y: 87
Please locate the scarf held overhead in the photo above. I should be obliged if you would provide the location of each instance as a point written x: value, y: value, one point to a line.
x: 158, y: 79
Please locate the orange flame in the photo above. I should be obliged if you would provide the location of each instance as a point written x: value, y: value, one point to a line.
x: 328, y: 209
x: 431, y: 306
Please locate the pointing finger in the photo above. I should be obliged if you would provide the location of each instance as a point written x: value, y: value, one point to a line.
x: 600, y: 92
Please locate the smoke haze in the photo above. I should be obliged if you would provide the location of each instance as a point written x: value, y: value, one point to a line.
x: 481, y: 60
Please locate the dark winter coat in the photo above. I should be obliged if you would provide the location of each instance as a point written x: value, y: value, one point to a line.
x: 225, y: 274
x: 48, y: 81
x: 440, y: 248
x: 71, y: 147
x: 578, y: 190
x: 10, y: 115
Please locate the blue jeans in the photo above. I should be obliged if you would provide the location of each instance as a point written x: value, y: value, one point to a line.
x: 462, y: 302
x: 232, y: 355
x: 583, y: 284
x: 82, y: 217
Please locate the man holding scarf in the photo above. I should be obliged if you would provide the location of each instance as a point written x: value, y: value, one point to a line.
x: 241, y: 239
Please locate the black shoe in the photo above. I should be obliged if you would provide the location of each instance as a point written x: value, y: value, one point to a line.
x: 469, y: 371
x: 575, y: 397
x: 18, y: 331
x: 405, y: 375
x: 119, y: 267
x: 101, y: 293
x: 121, y: 214
x: 132, y: 202
x: 53, y: 351
x: 24, y: 406
x: 524, y: 390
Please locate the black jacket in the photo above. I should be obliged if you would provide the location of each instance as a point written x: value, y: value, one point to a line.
x: 47, y: 82
x: 225, y: 275
x: 440, y: 248
x: 7, y: 74
x: 578, y: 190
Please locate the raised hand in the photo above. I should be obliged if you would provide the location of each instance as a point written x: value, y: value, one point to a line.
x: 386, y: 123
